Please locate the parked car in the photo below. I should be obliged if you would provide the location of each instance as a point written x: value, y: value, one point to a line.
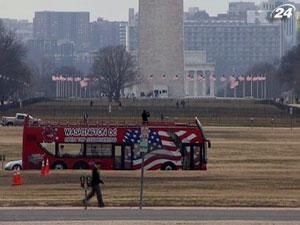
x: 12, y: 165
x: 17, y: 120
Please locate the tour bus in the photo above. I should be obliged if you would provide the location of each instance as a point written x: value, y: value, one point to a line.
x: 170, y: 145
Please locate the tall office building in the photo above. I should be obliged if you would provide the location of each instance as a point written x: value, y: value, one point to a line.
x: 160, y: 57
x: 240, y: 8
x: 71, y: 26
x: 132, y: 38
x: 235, y: 46
x: 288, y: 26
x: 105, y: 33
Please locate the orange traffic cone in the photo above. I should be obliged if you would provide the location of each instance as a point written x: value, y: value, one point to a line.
x: 43, y: 168
x: 14, y: 181
x: 17, y: 179
x: 47, y: 169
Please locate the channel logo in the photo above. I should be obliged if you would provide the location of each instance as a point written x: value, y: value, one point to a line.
x: 285, y: 11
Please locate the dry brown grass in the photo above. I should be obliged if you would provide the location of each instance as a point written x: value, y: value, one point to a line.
x: 247, y: 167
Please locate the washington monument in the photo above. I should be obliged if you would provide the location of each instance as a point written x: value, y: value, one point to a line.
x: 161, y: 56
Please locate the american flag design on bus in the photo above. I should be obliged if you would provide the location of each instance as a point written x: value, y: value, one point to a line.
x: 163, y: 147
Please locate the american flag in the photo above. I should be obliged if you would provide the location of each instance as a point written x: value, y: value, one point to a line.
x: 201, y: 77
x: 212, y: 77
x: 249, y: 78
x: 223, y: 79
x: 83, y: 83
x: 133, y: 137
x: 55, y: 78
x: 162, y: 147
x: 234, y: 84
x: 77, y: 79
x: 241, y: 78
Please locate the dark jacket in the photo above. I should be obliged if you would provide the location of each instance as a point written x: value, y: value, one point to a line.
x: 96, y: 177
x: 145, y: 116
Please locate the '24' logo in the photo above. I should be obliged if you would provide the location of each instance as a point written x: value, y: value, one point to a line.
x: 283, y: 11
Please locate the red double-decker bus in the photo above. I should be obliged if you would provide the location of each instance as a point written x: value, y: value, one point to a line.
x: 171, y: 146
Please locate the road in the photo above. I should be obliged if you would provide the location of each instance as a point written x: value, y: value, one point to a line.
x: 149, y: 214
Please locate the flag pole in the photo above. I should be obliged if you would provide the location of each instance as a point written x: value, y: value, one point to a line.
x: 57, y: 86
x: 244, y: 88
x: 262, y: 89
x: 265, y: 87
x: 195, y: 88
x: 257, y: 88
x: 251, y: 86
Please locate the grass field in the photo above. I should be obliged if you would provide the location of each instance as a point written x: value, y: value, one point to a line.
x: 247, y: 167
x: 212, y: 112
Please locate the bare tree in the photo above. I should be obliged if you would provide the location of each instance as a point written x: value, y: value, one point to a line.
x: 116, y: 70
x: 15, y: 74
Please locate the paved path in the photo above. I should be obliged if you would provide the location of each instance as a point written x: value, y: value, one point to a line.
x: 149, y: 214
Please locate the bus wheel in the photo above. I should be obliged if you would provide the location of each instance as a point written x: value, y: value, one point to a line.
x: 59, y: 165
x: 168, y: 166
x: 16, y: 167
x: 81, y: 165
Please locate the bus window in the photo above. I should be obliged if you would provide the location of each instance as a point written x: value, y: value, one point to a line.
x: 69, y: 150
x: 197, y: 151
x: 118, y: 157
x: 127, y: 158
x: 49, y: 147
x: 99, y: 150
x: 187, y: 157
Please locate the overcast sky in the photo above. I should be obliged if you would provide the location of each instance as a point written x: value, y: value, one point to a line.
x: 108, y: 9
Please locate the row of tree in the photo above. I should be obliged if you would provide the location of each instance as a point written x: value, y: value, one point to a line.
x: 15, y: 73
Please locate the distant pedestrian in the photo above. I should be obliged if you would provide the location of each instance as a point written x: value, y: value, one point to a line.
x: 145, y: 116
x: 177, y: 104
x: 161, y: 116
x: 85, y: 118
x: 91, y: 103
x: 120, y: 105
x: 96, y: 189
x: 20, y: 103
x: 183, y: 103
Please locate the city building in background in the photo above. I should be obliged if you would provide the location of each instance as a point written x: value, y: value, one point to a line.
x: 132, y: 38
x: 71, y: 26
x: 42, y: 47
x: 160, y: 56
x: 233, y: 45
x: 22, y: 28
x: 239, y: 9
x: 288, y: 26
x: 105, y: 33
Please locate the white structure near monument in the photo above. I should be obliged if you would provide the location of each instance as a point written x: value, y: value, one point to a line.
x: 199, y: 79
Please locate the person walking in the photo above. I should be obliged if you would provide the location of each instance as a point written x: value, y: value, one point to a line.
x: 96, y: 189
